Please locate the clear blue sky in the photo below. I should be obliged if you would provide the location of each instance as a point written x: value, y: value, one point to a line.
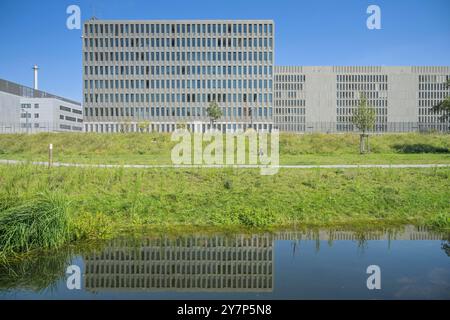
x: 314, y: 32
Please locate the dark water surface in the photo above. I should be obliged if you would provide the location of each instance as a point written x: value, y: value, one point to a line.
x: 320, y: 264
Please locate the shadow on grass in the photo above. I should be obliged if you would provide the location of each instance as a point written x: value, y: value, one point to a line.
x: 419, y: 148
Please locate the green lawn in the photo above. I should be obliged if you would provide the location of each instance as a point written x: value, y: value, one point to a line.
x: 135, y: 148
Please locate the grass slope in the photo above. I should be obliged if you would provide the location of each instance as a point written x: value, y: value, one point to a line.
x: 107, y: 201
x: 44, y: 208
x: 155, y: 148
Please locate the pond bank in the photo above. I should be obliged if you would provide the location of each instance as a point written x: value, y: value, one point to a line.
x: 95, y: 203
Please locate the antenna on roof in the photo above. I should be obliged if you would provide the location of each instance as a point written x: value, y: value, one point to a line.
x: 93, y: 12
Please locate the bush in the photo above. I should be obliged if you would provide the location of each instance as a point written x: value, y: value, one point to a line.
x: 228, y: 184
x: 91, y: 225
x: 39, y: 223
x: 257, y: 219
x: 420, y: 148
x: 441, y: 221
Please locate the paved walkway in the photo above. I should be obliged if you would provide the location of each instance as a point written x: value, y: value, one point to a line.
x: 327, y: 166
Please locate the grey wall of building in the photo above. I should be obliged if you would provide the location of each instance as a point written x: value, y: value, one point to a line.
x: 134, y: 71
x: 9, y: 110
x: 402, y: 97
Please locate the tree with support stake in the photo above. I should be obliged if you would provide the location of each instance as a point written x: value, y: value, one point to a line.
x: 444, y: 106
x: 214, y: 112
x: 364, y: 119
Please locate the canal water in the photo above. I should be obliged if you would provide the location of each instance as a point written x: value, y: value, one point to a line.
x: 411, y: 263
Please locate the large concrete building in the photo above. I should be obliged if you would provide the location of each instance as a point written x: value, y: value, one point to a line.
x: 322, y: 99
x: 28, y: 110
x: 157, y: 75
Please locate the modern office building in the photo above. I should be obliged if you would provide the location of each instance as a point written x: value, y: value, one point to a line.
x: 28, y: 110
x: 160, y: 74
x: 309, y: 99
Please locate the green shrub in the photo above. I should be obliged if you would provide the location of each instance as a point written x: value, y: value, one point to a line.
x: 228, y: 184
x: 257, y: 219
x: 91, y: 225
x: 42, y: 222
x: 441, y: 221
x: 420, y: 148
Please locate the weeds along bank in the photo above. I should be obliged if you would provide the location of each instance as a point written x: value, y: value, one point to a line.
x: 44, y: 208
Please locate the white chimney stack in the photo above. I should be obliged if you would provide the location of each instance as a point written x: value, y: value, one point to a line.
x: 35, y: 68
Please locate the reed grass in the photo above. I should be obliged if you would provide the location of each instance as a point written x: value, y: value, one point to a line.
x: 38, y: 223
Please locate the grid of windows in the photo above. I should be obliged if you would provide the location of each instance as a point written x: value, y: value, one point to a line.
x: 289, y: 104
x: 350, y: 87
x: 432, y: 90
x: 187, y: 263
x: 324, y: 98
x: 169, y: 71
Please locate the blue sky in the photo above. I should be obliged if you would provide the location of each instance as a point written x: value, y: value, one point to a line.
x: 314, y: 32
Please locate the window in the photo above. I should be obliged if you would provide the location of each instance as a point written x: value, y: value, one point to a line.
x: 65, y: 108
x: 64, y: 126
x: 73, y: 119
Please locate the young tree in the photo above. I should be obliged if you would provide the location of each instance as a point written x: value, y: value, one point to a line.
x: 125, y: 126
x: 181, y: 125
x: 143, y: 126
x: 444, y: 106
x: 214, y: 112
x: 364, y: 119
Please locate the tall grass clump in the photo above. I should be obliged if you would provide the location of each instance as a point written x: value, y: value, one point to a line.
x: 39, y: 223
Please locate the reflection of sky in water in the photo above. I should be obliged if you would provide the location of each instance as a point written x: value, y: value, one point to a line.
x: 302, y: 269
x: 433, y: 285
x: 409, y: 270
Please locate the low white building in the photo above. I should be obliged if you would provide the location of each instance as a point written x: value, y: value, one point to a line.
x: 23, y: 109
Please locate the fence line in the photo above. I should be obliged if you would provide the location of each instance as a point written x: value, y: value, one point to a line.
x: 300, y: 127
x: 36, y: 127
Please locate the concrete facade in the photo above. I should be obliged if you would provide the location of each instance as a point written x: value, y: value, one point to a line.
x: 158, y: 75
x: 25, y: 110
x: 325, y: 97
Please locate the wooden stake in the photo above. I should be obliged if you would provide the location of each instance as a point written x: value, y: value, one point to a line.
x: 50, y: 155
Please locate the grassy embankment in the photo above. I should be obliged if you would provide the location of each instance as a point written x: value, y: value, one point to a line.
x: 45, y: 208
x: 81, y: 203
x: 142, y: 148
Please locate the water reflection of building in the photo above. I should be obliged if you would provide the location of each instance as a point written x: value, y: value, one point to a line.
x: 211, y: 262
x: 197, y: 263
x: 409, y: 232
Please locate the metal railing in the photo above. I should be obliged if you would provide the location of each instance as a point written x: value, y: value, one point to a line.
x: 305, y: 127
x: 341, y: 127
x: 10, y: 128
